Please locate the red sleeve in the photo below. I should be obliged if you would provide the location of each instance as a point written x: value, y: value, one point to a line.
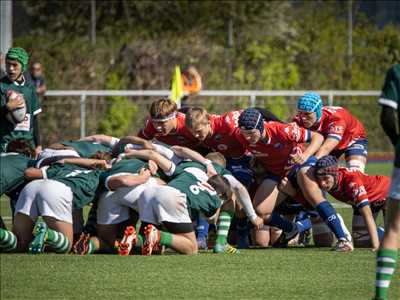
x: 357, y: 189
x: 295, y: 133
x: 336, y: 129
x: 148, y: 131
x: 231, y: 119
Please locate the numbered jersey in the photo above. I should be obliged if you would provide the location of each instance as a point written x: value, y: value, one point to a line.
x: 24, y: 129
x: 281, y: 141
x: 338, y: 123
x: 180, y: 136
x: 12, y: 167
x: 225, y: 132
x: 83, y: 182
x: 201, y: 196
x: 359, y: 189
x: 123, y: 167
x: 86, y: 149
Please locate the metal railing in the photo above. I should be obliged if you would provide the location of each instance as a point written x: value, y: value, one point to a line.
x: 252, y: 94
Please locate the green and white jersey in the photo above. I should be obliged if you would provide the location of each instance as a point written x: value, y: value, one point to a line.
x: 391, y: 97
x: 192, y: 164
x: 12, y: 167
x: 123, y: 167
x: 191, y: 179
x: 23, y: 130
x: 83, y: 182
x: 86, y: 149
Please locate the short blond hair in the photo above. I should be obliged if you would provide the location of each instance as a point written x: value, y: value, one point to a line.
x: 196, y: 116
x: 162, y: 108
x: 217, y: 158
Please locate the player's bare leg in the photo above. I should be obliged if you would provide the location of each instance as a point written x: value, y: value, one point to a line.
x: 22, y: 228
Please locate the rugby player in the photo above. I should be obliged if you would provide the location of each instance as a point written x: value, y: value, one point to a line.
x: 387, y: 255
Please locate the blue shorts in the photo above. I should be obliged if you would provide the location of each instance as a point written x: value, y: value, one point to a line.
x: 292, y: 176
x: 240, y: 169
x: 359, y: 148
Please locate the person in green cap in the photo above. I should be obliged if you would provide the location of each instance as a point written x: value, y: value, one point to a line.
x: 15, y: 92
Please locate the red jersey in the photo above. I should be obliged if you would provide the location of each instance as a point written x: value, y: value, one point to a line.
x: 359, y: 189
x: 180, y: 136
x: 225, y: 132
x: 281, y: 141
x: 338, y: 123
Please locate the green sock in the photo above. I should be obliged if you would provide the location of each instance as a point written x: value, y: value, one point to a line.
x: 165, y: 238
x: 91, y: 247
x: 57, y: 241
x: 224, y: 222
x: 385, y: 266
x: 139, y: 243
x: 8, y: 240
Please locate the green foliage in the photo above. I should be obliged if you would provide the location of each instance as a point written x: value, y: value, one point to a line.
x: 120, y: 113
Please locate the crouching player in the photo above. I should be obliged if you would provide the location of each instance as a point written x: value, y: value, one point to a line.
x: 121, y: 187
x: 278, y: 147
x: 366, y: 194
x: 198, y: 192
x: 173, y: 206
x: 57, y: 191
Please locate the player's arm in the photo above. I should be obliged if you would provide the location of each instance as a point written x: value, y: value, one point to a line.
x: 328, y: 145
x: 102, y: 139
x: 35, y: 173
x: 242, y: 195
x: 127, y: 180
x: 89, y: 163
x: 135, y: 140
x: 366, y: 213
x: 388, y: 123
x: 315, y: 141
x: 164, y: 163
x: 187, y: 153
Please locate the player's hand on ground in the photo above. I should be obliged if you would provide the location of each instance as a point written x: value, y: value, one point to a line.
x: 258, y: 223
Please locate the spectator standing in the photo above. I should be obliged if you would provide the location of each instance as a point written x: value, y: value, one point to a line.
x: 38, y: 80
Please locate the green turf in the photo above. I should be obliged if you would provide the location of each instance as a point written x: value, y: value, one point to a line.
x: 254, y: 274
x: 295, y: 273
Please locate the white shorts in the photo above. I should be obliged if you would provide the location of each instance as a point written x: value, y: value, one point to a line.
x: 163, y: 204
x: 46, y: 197
x: 113, y: 206
x: 394, y: 191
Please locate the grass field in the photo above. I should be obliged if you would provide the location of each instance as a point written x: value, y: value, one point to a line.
x: 294, y: 273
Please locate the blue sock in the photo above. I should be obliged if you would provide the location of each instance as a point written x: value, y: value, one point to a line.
x: 281, y: 223
x: 303, y: 225
x: 328, y: 214
x: 303, y: 221
x: 381, y: 233
x: 202, y: 227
